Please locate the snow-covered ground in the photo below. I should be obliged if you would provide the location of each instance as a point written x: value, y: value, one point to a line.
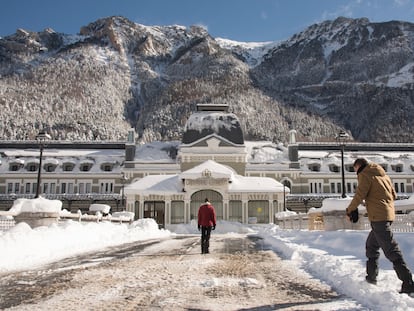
x: 337, y: 257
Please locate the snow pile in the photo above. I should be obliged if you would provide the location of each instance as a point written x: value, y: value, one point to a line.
x: 27, y: 248
x: 338, y: 258
x: 39, y: 205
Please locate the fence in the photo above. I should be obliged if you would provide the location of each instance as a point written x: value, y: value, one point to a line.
x: 317, y: 221
x: 7, y: 220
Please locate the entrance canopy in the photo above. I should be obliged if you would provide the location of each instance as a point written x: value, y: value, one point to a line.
x: 174, y: 184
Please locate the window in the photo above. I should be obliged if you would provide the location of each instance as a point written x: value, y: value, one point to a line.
x: 85, y: 167
x: 348, y: 187
x: 32, y: 167
x: 398, y: 168
x: 49, y: 167
x: 334, y: 168
x: 177, y: 212
x: 13, y: 187
x: 52, y: 187
x: 81, y: 188
x: 16, y: 187
x: 315, y: 186
x: 350, y: 168
x: 14, y: 167
x: 106, y: 187
x: 68, y: 167
x: 27, y: 188
x: 314, y: 167
x: 106, y: 167
x: 399, y: 186
x: 235, y: 211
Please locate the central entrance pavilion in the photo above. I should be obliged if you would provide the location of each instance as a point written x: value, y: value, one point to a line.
x: 212, y: 161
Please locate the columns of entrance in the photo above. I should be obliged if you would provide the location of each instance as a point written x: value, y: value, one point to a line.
x: 167, y: 215
x: 271, y: 211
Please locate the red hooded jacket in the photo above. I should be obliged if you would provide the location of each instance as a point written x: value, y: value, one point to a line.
x: 206, y: 215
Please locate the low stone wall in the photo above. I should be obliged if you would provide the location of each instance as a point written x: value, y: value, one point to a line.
x: 337, y: 220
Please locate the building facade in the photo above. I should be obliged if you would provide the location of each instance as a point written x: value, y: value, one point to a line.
x: 246, y: 181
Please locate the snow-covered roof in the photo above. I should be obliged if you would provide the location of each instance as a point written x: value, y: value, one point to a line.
x: 168, y: 184
x: 203, y: 123
x: 256, y: 184
x: 210, y: 167
x: 165, y: 184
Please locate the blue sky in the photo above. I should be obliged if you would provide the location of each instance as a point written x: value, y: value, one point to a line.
x: 240, y: 20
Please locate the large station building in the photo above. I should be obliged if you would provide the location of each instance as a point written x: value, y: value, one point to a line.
x: 246, y: 181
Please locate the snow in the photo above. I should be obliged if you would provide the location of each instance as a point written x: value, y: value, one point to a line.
x: 174, y: 183
x: 335, y: 257
x: 253, y: 52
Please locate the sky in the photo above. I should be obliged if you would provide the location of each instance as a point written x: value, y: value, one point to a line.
x: 337, y: 258
x: 239, y: 20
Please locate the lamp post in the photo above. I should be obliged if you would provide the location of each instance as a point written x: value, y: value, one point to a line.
x: 342, y: 137
x: 41, y: 138
x: 123, y: 181
x: 284, y: 194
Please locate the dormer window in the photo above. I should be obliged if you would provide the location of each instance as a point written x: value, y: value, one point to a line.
x: 398, y: 168
x: 85, y: 167
x: 16, y: 165
x: 49, y: 167
x: 349, y: 168
x: 384, y: 166
x: 334, y: 168
x: 314, y: 167
x: 68, y: 167
x: 50, y: 164
x: 32, y: 166
x: 107, y: 167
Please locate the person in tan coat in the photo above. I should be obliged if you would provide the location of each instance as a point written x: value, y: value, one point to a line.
x: 376, y: 191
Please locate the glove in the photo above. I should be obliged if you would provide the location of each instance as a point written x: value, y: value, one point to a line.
x: 213, y: 228
x: 354, y: 216
x: 198, y: 227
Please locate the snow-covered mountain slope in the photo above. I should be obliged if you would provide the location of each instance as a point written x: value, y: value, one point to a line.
x: 116, y: 74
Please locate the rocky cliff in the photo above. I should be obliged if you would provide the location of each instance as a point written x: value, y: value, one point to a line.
x: 115, y: 75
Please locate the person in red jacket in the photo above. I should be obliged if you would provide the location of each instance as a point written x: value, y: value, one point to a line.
x: 206, y: 223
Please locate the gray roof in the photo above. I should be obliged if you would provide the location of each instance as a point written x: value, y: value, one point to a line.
x: 204, y: 123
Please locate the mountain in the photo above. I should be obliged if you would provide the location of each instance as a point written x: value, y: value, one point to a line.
x: 115, y: 75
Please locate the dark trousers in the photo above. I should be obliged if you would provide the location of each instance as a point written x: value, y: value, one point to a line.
x: 382, y: 237
x: 205, y: 239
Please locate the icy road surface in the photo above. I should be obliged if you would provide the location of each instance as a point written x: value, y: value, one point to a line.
x: 240, y: 273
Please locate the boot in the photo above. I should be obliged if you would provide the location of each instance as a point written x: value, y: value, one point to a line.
x: 372, y: 271
x: 405, y: 276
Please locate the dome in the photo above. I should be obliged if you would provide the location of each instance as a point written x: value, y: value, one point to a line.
x: 211, y: 120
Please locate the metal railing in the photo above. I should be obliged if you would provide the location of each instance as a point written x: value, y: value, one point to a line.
x: 316, y: 221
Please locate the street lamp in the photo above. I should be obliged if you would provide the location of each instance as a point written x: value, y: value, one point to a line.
x: 342, y: 137
x: 41, y: 138
x: 124, y: 179
x: 285, y: 183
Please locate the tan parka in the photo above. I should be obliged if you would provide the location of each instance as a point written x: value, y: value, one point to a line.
x: 375, y: 187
